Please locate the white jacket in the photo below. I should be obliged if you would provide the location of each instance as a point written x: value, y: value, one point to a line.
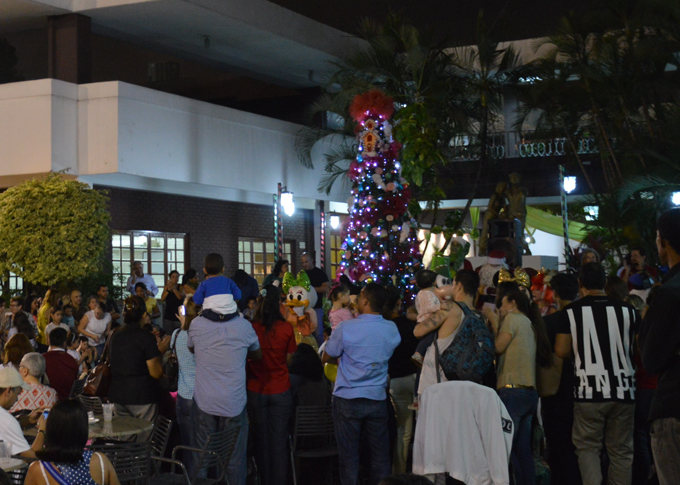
x: 463, y: 429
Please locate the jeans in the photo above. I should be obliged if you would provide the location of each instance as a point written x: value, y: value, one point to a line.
x: 204, y: 424
x: 183, y: 411
x: 402, y: 390
x: 666, y: 449
x: 611, y: 422
x: 270, y: 415
x: 318, y: 333
x: 521, y: 405
x: 350, y: 416
x: 642, y: 456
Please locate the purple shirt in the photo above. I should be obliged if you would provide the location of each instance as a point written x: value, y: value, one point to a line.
x: 221, y: 349
x: 364, y: 346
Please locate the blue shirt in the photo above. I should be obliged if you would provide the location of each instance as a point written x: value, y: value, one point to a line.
x: 217, y: 285
x: 364, y: 345
x: 218, y: 293
x: 187, y: 364
x: 220, y: 349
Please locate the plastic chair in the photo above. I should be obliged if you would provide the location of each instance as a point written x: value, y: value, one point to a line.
x: 91, y: 403
x: 216, y: 453
x: 313, y: 436
x: 17, y: 477
x: 160, y: 436
x: 77, y: 388
x: 131, y: 460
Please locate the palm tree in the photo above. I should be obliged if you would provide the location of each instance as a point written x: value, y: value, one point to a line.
x: 440, y: 93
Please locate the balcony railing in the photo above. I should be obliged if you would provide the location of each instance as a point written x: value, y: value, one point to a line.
x: 515, y: 144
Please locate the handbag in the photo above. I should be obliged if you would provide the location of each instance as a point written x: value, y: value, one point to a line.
x: 170, y: 380
x: 98, y: 381
x: 548, y: 378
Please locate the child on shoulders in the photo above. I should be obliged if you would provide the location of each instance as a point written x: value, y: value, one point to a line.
x: 217, y: 293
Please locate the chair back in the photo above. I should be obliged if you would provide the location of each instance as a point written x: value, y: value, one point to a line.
x: 131, y: 460
x: 17, y: 477
x: 77, y: 388
x: 314, y: 422
x: 160, y: 435
x: 91, y: 403
x: 217, y: 451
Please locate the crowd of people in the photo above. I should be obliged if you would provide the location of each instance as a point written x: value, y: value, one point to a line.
x: 586, y: 358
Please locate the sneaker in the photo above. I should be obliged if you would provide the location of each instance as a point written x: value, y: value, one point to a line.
x: 417, y: 360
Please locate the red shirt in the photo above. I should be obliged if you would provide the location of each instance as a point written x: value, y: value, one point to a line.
x: 269, y: 375
x: 61, y: 370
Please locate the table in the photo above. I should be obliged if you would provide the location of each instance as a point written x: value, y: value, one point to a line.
x: 119, y: 426
x: 12, y: 464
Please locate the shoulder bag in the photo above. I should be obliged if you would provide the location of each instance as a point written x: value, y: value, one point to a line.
x: 98, y: 381
x: 170, y: 380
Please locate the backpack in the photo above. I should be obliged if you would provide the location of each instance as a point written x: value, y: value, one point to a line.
x: 471, y: 354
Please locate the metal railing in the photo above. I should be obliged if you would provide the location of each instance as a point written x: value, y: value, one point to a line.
x: 515, y: 144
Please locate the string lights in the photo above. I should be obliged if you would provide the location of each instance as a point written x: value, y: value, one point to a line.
x: 380, y: 243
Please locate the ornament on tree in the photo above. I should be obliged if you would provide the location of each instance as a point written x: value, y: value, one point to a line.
x: 380, y: 244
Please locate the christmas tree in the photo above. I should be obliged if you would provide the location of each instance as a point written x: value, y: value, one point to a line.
x: 380, y: 239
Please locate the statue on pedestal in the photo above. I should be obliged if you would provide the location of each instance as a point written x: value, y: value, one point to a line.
x: 516, y: 195
x: 497, y: 205
x: 507, y: 202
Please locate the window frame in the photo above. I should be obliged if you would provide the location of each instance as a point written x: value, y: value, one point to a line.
x: 168, y: 264
x: 268, y: 265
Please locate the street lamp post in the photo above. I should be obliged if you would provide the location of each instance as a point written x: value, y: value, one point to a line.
x: 278, y: 228
x: 567, y: 184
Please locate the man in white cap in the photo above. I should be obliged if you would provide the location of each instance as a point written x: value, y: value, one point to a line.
x: 11, y: 385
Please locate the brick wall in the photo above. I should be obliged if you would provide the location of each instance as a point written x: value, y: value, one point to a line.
x: 212, y: 225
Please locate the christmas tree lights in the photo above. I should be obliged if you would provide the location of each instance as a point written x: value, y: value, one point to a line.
x: 380, y: 239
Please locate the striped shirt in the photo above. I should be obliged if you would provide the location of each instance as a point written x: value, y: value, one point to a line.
x: 187, y: 364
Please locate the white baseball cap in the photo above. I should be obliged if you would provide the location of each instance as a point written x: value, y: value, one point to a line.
x: 9, y: 377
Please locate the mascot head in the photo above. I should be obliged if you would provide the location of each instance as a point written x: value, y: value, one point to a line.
x: 301, y: 295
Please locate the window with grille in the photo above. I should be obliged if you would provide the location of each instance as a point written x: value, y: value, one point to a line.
x: 336, y: 254
x: 159, y: 253
x: 12, y: 284
x: 258, y: 256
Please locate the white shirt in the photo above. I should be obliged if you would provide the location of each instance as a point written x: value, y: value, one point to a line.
x: 11, y: 434
x: 465, y: 430
x: 96, y: 326
x: 75, y: 355
x: 146, y: 279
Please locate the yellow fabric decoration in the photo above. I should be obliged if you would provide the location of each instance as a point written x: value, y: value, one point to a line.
x: 551, y: 224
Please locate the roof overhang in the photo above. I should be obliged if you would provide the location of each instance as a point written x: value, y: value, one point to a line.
x: 252, y: 37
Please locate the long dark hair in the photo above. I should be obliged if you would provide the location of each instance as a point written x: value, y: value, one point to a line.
x: 306, y: 363
x: 278, y: 267
x: 66, y: 433
x: 505, y: 288
x: 134, y: 309
x: 268, y: 311
x: 533, y: 313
